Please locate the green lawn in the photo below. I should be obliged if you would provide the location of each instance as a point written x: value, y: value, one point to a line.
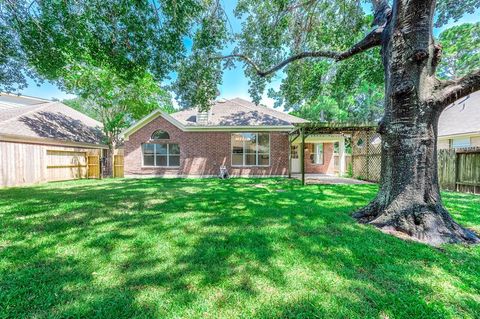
x: 249, y: 248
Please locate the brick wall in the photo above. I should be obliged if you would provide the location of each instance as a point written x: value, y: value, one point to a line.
x: 201, y: 153
x: 328, y: 162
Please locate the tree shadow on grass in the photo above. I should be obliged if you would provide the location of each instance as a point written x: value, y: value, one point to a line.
x: 188, y: 248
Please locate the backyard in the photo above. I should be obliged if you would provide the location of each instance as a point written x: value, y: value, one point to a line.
x: 249, y: 248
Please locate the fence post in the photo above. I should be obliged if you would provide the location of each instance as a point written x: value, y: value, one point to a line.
x: 456, y: 170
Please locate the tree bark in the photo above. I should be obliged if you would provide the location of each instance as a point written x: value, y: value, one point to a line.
x: 409, y: 201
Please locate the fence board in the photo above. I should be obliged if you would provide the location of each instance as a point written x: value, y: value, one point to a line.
x: 66, y: 165
x: 447, y: 169
x: 93, y: 166
x: 468, y: 172
x: 118, y: 166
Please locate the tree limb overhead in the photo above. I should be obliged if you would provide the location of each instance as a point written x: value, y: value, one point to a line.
x: 373, y: 39
x: 450, y: 91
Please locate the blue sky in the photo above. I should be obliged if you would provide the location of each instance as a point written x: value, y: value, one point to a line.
x: 234, y: 83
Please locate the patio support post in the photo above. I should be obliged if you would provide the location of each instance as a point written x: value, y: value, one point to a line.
x: 289, y: 156
x: 341, y: 155
x: 302, y: 154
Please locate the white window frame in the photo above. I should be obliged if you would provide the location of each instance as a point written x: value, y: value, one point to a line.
x: 155, y: 155
x: 256, y: 150
x: 317, y: 159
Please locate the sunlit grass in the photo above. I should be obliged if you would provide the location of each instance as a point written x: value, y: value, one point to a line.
x: 248, y: 248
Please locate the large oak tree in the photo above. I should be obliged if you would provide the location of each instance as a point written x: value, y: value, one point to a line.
x: 409, y: 200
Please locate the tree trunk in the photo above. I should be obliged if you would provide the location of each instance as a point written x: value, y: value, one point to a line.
x: 409, y: 201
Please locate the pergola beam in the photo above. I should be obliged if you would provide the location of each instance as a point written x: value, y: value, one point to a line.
x: 303, y: 130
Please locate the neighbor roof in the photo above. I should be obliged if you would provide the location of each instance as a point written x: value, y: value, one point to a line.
x: 461, y: 117
x: 238, y: 112
x: 49, y: 120
x: 9, y: 101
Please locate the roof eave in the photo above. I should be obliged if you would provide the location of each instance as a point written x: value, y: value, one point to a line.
x: 47, y: 141
x: 214, y: 128
x: 453, y: 135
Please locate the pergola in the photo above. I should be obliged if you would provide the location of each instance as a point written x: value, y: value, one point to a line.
x: 303, y: 130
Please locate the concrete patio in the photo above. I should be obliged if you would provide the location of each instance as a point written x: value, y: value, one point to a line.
x: 328, y: 179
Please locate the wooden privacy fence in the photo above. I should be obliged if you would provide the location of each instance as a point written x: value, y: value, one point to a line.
x: 66, y: 165
x: 118, y: 166
x: 93, y: 166
x: 459, y: 170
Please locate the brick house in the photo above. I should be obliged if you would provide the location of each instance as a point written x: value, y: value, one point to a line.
x: 247, y: 139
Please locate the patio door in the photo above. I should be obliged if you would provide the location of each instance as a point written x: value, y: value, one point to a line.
x: 295, y: 158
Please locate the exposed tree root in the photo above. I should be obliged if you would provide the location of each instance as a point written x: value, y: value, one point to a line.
x: 428, y: 224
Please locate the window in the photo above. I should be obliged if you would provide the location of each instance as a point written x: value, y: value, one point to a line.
x: 460, y: 142
x: 317, y: 155
x: 160, y: 135
x: 294, y: 151
x: 250, y: 149
x: 166, y: 155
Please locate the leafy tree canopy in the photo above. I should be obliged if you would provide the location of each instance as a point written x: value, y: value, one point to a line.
x: 113, y: 100
x: 461, y: 50
x: 45, y: 39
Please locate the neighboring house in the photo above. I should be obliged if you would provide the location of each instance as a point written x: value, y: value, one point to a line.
x: 41, y: 141
x: 248, y: 139
x: 459, y: 125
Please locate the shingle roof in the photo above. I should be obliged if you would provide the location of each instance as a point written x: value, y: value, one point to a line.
x: 52, y: 120
x: 238, y: 112
x: 461, y: 117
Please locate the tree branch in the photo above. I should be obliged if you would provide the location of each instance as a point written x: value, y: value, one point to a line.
x: 373, y: 39
x: 450, y: 91
x: 382, y: 12
x: 303, y: 55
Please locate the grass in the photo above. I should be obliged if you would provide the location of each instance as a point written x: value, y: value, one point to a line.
x: 239, y: 248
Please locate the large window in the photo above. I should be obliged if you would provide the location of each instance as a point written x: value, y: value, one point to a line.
x: 250, y: 149
x: 317, y: 155
x: 162, y: 155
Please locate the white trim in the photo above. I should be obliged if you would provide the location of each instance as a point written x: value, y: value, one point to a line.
x: 323, y: 138
x: 447, y: 137
x: 214, y: 128
x: 316, y: 155
x: 47, y: 141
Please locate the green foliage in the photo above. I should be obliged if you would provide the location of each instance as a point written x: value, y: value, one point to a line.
x: 113, y: 100
x: 209, y: 248
x: 81, y: 105
x: 126, y: 37
x: 130, y: 39
x: 461, y: 53
x: 453, y: 10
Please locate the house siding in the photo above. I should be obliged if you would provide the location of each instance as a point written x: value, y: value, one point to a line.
x: 443, y: 142
x: 201, y: 153
x: 328, y: 161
